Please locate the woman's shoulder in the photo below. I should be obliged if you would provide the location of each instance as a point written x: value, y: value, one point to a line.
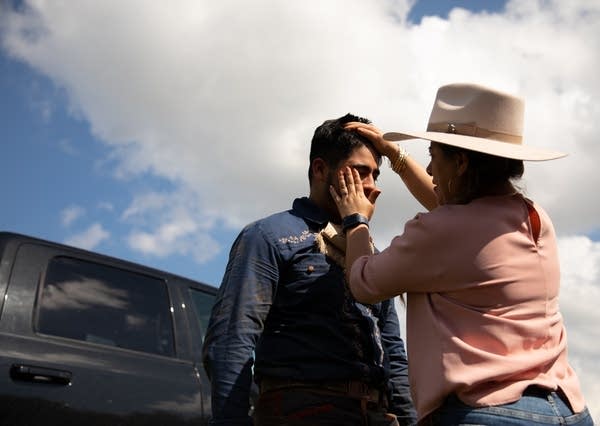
x: 484, y: 210
x: 441, y: 221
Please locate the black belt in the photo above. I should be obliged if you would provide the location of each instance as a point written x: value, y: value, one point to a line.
x: 351, y: 388
x: 535, y: 390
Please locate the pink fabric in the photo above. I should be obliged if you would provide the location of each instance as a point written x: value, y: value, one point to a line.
x: 482, y: 303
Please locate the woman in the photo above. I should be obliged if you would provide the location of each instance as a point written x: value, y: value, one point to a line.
x: 486, y: 341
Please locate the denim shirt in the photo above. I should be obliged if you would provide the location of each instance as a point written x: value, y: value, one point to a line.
x: 285, y: 304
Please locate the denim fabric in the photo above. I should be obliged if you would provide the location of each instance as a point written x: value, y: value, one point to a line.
x: 287, y: 303
x: 532, y: 409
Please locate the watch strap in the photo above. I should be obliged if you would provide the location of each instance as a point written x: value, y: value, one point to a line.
x: 353, y: 220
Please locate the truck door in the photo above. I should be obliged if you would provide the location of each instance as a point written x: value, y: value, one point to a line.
x: 89, y: 341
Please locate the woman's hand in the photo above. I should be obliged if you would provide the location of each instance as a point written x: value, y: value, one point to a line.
x: 414, y: 176
x: 387, y: 148
x: 351, y: 198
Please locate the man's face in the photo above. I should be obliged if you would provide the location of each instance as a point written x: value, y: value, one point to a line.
x: 362, y: 159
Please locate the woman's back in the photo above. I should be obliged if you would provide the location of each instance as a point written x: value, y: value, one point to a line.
x: 491, y: 305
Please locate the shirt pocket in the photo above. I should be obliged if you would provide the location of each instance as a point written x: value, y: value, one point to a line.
x: 312, y: 279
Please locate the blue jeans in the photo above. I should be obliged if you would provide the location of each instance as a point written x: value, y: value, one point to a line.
x: 536, y: 407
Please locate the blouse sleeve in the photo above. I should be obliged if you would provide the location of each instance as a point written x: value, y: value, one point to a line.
x: 432, y: 255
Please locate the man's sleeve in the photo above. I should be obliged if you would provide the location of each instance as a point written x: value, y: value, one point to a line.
x: 401, y: 403
x: 237, y: 319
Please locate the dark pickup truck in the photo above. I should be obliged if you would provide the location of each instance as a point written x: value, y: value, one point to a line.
x: 86, y: 339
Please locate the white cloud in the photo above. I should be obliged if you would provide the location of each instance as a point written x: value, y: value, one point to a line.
x: 221, y: 98
x: 141, y: 204
x: 67, y: 147
x: 106, y: 206
x: 90, y: 238
x: 164, y: 240
x: 165, y: 224
x: 579, y: 300
x: 177, y: 96
x: 71, y: 214
x: 175, y: 238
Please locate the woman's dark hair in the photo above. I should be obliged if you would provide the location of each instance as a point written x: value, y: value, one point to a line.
x: 484, y: 171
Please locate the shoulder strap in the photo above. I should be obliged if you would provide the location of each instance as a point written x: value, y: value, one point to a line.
x: 534, y: 219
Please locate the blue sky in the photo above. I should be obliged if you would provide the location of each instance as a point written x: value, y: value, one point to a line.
x: 55, y: 162
x: 442, y: 8
x: 154, y: 132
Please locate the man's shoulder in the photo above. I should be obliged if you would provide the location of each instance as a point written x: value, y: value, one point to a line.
x: 275, y: 224
x: 301, y: 211
x: 274, y: 219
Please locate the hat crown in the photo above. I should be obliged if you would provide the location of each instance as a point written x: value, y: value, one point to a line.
x: 489, y: 110
x: 479, y: 119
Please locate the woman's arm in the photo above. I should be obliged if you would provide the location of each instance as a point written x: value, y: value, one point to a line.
x: 349, y: 201
x: 419, y: 183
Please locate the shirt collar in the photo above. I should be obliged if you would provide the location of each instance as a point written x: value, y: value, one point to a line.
x: 305, y: 208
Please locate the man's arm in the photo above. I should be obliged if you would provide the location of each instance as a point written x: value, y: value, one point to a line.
x: 401, y: 403
x: 236, y: 322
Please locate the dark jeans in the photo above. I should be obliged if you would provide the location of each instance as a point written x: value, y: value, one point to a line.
x: 536, y: 407
x: 314, y: 407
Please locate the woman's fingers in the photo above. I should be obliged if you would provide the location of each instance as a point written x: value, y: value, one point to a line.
x: 351, y: 197
x: 375, y: 135
x: 357, y: 124
x: 355, y: 181
x: 336, y: 197
x: 350, y: 183
x: 368, y: 130
x: 347, y: 179
x: 342, y: 184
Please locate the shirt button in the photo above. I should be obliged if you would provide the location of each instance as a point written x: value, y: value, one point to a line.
x: 310, y: 269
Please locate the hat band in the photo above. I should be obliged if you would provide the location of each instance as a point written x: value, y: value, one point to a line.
x: 467, y: 129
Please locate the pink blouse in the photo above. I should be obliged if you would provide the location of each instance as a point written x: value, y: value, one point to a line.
x: 482, y: 303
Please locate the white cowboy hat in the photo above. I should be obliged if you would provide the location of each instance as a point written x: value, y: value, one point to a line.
x: 481, y: 119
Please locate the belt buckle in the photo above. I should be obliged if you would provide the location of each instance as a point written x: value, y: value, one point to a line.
x: 374, y: 394
x: 357, y: 387
x: 363, y: 389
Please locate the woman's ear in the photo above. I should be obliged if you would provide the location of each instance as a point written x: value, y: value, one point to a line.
x: 462, y: 163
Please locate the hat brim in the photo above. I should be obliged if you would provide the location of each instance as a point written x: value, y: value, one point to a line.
x: 487, y: 146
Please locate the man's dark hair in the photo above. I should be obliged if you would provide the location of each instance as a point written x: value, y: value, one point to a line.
x: 332, y: 143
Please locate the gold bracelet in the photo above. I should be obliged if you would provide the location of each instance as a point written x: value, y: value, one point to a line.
x: 398, y: 164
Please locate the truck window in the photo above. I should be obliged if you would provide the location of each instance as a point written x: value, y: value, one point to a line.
x: 203, y: 303
x: 101, y: 304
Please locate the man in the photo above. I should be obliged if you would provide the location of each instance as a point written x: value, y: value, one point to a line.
x: 321, y: 358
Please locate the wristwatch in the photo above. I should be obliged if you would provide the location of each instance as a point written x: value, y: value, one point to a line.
x: 353, y: 220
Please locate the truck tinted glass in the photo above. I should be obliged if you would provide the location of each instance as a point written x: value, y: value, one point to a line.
x: 203, y: 303
x: 101, y: 304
